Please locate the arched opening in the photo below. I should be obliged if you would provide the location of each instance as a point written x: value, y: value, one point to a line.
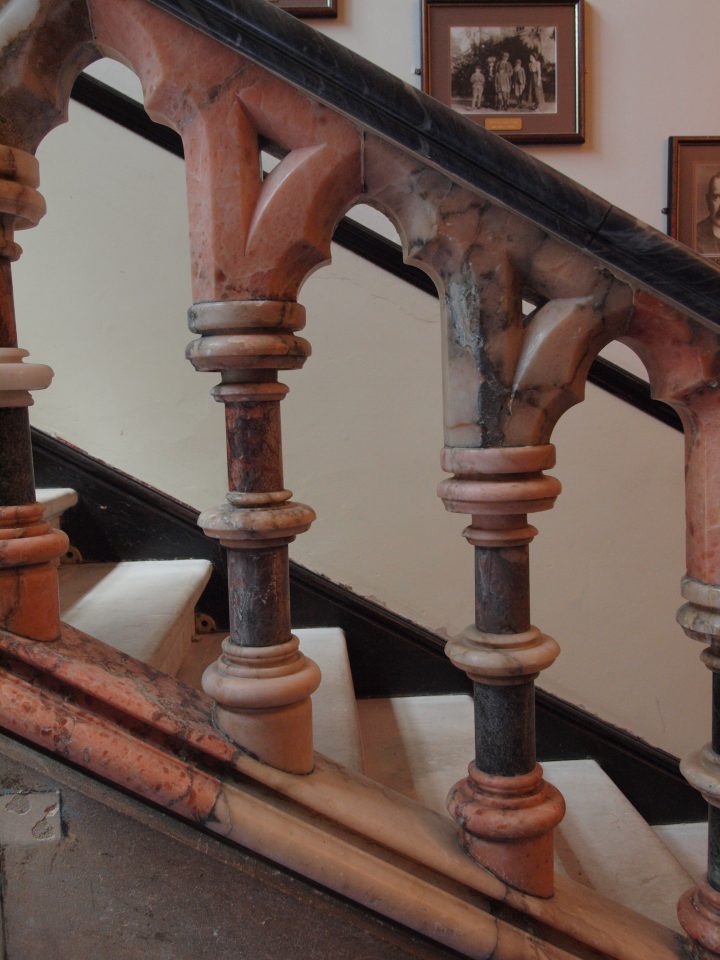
x: 625, y: 358
x: 362, y: 432
x: 102, y: 292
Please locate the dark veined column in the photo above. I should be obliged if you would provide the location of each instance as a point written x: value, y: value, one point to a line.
x: 504, y: 809
x: 29, y: 547
x: 261, y: 683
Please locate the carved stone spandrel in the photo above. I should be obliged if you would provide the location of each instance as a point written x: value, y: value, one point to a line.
x: 44, y: 45
x: 250, y: 238
x: 562, y: 339
x: 509, y: 376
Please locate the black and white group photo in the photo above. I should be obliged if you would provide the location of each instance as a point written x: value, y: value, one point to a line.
x: 503, y: 69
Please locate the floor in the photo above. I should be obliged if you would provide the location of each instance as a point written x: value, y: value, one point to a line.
x: 87, y: 872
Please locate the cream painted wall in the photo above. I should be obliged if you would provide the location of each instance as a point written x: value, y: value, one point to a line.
x: 109, y: 315
x: 649, y: 65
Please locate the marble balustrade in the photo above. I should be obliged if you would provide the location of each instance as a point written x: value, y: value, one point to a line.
x: 494, y: 237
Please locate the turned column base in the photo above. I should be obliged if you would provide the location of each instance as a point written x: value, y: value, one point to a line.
x: 280, y: 737
x: 699, y: 915
x: 29, y: 551
x: 263, y: 702
x: 506, y: 825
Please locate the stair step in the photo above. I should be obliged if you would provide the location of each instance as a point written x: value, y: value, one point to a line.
x: 56, y: 500
x: 145, y: 608
x: 336, y: 731
x: 420, y: 746
x: 336, y: 728
x: 688, y: 843
x: 605, y: 843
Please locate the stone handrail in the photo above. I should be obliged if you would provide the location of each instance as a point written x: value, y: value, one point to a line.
x: 380, y: 102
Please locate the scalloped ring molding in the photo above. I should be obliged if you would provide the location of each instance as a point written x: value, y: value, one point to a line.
x: 17, y: 379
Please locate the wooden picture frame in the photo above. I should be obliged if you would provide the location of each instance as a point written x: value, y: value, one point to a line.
x: 694, y: 194
x: 514, y: 66
x: 309, y: 8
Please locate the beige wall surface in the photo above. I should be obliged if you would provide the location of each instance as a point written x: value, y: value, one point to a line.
x: 103, y: 288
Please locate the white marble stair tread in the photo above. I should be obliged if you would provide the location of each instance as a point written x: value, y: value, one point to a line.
x: 336, y: 731
x: 145, y: 608
x: 604, y: 842
x: 688, y: 843
x: 420, y: 746
x: 55, y: 501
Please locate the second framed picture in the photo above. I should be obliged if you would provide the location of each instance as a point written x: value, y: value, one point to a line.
x: 695, y: 194
x: 516, y: 66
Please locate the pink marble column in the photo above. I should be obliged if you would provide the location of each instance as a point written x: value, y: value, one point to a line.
x: 43, y: 46
x: 29, y: 548
x: 510, y: 371
x: 681, y: 356
x: 262, y: 683
x: 505, y: 811
x: 254, y: 239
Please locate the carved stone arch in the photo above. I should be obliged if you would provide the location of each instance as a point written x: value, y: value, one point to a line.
x: 682, y: 357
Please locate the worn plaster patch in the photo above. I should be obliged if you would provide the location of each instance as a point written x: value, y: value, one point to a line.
x: 27, y: 818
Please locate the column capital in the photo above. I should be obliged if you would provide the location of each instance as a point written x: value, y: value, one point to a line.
x: 701, y: 769
x: 247, y: 335
x: 498, y: 487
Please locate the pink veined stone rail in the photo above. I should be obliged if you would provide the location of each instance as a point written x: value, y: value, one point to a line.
x: 510, y: 373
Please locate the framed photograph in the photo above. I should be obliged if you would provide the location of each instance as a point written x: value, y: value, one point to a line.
x: 309, y: 8
x: 695, y: 194
x: 515, y: 66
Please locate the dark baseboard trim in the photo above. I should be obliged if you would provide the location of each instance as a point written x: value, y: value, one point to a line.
x: 360, y: 240
x: 121, y: 518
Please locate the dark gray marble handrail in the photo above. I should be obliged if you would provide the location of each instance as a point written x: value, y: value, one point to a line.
x: 381, y: 102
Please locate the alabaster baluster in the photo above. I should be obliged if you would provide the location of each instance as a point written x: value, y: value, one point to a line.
x: 253, y: 242
x: 699, y: 909
x: 29, y: 547
x: 681, y: 357
x: 505, y: 811
x: 261, y: 683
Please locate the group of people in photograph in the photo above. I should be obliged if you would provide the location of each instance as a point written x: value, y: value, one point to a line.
x: 503, y: 85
